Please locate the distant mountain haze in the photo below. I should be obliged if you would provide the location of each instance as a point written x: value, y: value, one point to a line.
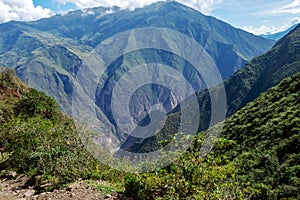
x: 279, y: 35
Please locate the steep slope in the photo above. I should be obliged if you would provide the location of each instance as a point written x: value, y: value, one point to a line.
x: 256, y: 158
x: 263, y: 72
x: 230, y: 47
x: 11, y: 90
x: 37, y: 140
x: 267, y: 135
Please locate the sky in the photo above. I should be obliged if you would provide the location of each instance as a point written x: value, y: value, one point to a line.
x: 255, y: 16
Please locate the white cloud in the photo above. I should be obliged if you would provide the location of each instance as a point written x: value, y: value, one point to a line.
x: 205, y: 6
x: 293, y: 5
x: 263, y: 29
x: 292, y: 8
x: 22, y: 10
x: 295, y: 20
x: 271, y: 29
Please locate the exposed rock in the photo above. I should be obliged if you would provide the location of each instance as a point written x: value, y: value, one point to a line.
x: 15, y: 190
x: 29, y: 193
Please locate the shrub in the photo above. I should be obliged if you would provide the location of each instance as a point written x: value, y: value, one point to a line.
x: 35, y: 104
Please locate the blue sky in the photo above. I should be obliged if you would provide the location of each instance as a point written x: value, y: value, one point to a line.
x: 259, y: 15
x: 55, y: 6
x: 256, y: 16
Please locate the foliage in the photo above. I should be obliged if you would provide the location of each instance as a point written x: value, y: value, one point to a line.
x: 10, y: 84
x: 191, y: 177
x: 105, y: 187
x: 41, y: 142
x: 36, y: 103
x: 256, y: 158
x: 11, y: 90
x: 267, y: 135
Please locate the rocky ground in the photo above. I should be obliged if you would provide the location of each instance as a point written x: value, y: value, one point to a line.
x: 15, y: 189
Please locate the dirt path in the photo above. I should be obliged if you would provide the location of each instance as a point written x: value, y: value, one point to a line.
x: 15, y: 190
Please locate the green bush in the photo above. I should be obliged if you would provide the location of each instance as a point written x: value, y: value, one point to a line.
x: 35, y: 104
x: 191, y: 177
x: 10, y: 84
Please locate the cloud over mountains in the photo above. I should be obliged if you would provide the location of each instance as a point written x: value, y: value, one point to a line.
x: 25, y: 10
x: 22, y: 10
x: 204, y: 6
x: 227, y: 10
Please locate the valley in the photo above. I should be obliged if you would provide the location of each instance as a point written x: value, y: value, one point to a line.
x: 156, y: 102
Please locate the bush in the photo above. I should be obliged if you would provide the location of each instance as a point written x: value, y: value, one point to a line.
x: 35, y: 104
x: 10, y: 84
x: 191, y: 177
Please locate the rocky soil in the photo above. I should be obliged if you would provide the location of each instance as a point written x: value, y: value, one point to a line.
x: 16, y: 189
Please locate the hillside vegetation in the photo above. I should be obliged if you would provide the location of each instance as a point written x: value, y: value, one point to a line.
x: 258, y: 156
x: 37, y: 140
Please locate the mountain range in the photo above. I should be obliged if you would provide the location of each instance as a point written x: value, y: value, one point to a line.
x: 47, y: 54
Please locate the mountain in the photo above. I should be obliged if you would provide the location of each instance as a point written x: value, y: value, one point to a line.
x: 282, y: 61
x: 262, y: 73
x: 48, y: 54
x: 257, y: 156
x: 231, y: 48
x: 279, y: 35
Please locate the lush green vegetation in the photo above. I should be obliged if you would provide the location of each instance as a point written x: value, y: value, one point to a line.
x: 267, y: 135
x: 257, y: 157
x: 192, y: 177
x: 40, y: 141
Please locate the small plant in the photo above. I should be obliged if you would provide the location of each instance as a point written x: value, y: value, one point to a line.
x: 105, y: 187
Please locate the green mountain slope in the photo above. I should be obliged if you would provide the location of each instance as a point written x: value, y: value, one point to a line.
x: 263, y: 72
x: 257, y: 156
x: 92, y: 26
x: 40, y: 142
x: 267, y: 132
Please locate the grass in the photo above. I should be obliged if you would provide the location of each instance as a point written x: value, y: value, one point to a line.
x: 106, y: 187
